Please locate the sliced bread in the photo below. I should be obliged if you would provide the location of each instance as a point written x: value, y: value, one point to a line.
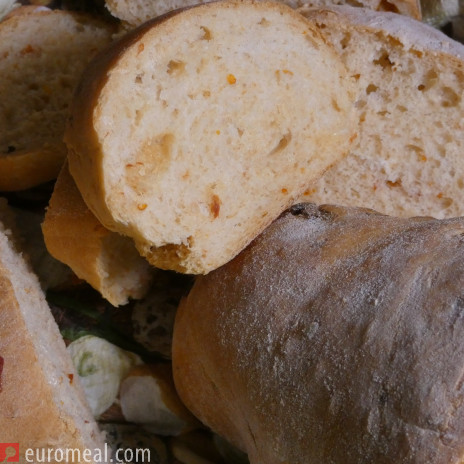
x: 407, y: 160
x: 134, y: 13
x: 197, y: 130
x: 42, y: 55
x: 106, y: 260
x: 43, y: 404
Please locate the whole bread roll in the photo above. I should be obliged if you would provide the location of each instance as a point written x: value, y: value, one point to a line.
x: 336, y: 337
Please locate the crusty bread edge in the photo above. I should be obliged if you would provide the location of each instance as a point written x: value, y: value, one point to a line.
x: 80, y: 136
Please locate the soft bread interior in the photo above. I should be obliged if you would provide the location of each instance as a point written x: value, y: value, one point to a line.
x: 43, y: 404
x: 407, y: 159
x: 209, y: 125
x: 42, y: 55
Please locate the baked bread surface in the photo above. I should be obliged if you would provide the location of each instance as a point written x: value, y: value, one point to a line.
x: 335, y: 337
x: 198, y: 129
x: 137, y: 12
x: 106, y: 260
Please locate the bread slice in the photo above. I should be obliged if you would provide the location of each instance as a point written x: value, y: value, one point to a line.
x: 106, y: 260
x: 198, y: 129
x: 137, y: 12
x: 407, y: 160
x: 336, y: 337
x: 43, y: 404
x: 42, y: 55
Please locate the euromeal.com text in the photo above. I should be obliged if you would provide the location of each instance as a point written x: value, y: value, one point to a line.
x: 10, y: 452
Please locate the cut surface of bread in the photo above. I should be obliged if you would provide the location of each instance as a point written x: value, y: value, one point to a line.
x: 137, y: 12
x: 106, y: 260
x: 42, y: 55
x: 43, y: 404
x: 198, y: 129
x: 336, y: 337
x: 407, y: 159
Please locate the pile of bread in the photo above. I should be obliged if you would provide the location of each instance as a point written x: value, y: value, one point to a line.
x: 201, y: 141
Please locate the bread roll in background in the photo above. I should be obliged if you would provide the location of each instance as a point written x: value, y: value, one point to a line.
x: 196, y: 130
x: 42, y: 56
x: 135, y: 13
x: 336, y: 337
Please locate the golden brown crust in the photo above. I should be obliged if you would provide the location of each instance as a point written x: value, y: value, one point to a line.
x: 70, y: 228
x: 336, y: 336
x: 106, y: 260
x: 80, y: 136
x: 29, y: 168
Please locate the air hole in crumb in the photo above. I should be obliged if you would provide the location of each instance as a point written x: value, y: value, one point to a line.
x: 393, y: 184
x: 283, y: 142
x: 345, y: 40
x: 387, y: 6
x: 384, y: 60
x: 449, y: 97
x: 138, y: 116
x: 446, y: 202
x: 138, y: 79
x: 175, y: 67
x: 335, y: 105
x: 206, y: 33
x: 264, y: 22
x: 429, y: 80
x: 419, y: 151
x: 401, y: 108
x: 460, y: 183
x: 215, y: 206
x: 371, y: 88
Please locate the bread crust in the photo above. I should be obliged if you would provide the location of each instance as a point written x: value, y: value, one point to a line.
x: 106, y: 260
x: 336, y: 336
x: 136, y: 13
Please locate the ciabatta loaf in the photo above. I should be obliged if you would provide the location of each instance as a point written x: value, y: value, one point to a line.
x: 106, y: 260
x: 195, y: 131
x: 407, y: 159
x: 336, y: 337
x: 42, y: 401
x: 134, y: 13
x: 42, y: 55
